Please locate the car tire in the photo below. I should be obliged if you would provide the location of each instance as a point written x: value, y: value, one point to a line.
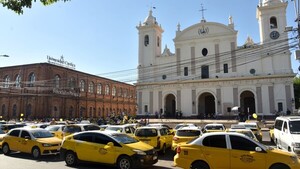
x: 199, y: 165
x: 279, y: 166
x: 36, y: 152
x: 70, y: 158
x: 5, y: 149
x: 124, y: 162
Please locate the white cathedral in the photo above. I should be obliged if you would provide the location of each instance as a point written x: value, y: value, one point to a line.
x: 209, y: 74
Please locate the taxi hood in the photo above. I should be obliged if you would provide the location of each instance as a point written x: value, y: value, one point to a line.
x: 140, y: 146
x: 50, y: 140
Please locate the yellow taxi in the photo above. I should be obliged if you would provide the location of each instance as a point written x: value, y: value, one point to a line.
x: 56, y: 130
x: 2, y: 134
x: 107, y: 147
x: 158, y: 137
x: 232, y: 151
x: 185, y: 134
x: 31, y: 140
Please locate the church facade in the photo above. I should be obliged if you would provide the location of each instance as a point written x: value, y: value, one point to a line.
x: 209, y: 74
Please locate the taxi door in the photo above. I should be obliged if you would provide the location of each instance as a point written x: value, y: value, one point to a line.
x: 25, y: 141
x: 215, y: 151
x: 86, y: 150
x: 244, y: 155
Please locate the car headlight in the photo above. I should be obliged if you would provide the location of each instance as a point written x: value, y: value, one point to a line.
x: 46, y: 145
x: 139, y: 152
x: 294, y: 159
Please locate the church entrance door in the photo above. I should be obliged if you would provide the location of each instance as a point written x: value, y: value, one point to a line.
x: 170, y: 106
x: 247, y: 104
x: 206, y: 105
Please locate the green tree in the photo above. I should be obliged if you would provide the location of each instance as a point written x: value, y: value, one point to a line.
x: 19, y: 5
x: 296, y: 82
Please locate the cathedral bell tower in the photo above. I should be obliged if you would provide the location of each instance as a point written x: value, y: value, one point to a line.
x: 271, y: 15
x: 150, y: 35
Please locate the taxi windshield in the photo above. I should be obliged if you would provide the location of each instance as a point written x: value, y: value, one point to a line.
x: 125, y: 139
x: 41, y: 134
x: 295, y: 127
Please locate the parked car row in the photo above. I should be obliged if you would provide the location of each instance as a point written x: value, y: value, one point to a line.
x: 130, y: 146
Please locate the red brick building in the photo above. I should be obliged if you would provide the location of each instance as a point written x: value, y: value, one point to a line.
x: 44, y: 90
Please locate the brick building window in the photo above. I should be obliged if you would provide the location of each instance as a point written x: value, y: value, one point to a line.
x: 99, y: 88
x: 114, y: 91
x: 18, y: 81
x: 82, y: 85
x: 91, y: 87
x: 72, y: 83
x: 3, y: 110
x: 125, y: 93
x: 6, y: 81
x: 107, y: 89
x: 31, y: 79
x: 120, y: 92
x: 56, y: 81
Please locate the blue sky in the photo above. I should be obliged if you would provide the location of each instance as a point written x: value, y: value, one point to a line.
x: 100, y: 36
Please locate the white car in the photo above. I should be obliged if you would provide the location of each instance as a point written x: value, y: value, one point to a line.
x: 287, y: 133
x: 126, y: 129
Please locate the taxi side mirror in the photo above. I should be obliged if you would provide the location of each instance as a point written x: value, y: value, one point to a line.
x: 110, y: 144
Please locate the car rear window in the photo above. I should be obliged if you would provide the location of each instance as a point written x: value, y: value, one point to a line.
x: 72, y: 129
x: 188, y: 133
x: 91, y: 127
x: 146, y: 132
x: 214, y: 127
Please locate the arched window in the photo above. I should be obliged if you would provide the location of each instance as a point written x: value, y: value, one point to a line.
x: 72, y: 83
x: 3, y: 110
x: 14, y: 110
x: 114, y: 91
x: 6, y: 81
x: 146, y: 40
x: 91, y: 87
x: 107, y: 89
x: 99, y: 88
x: 18, y: 81
x: 56, y: 81
x: 273, y: 22
x: 82, y: 85
x: 125, y: 93
x: 31, y: 79
x: 120, y: 92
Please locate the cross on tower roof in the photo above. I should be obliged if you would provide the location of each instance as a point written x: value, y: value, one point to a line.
x: 202, y: 10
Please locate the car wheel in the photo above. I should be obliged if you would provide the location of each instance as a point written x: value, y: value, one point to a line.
x: 199, y: 165
x: 36, y: 153
x: 5, y: 149
x: 124, y: 162
x: 70, y: 158
x: 279, y: 166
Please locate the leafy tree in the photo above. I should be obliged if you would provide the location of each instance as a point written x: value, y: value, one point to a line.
x: 19, y: 5
x: 297, y: 91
